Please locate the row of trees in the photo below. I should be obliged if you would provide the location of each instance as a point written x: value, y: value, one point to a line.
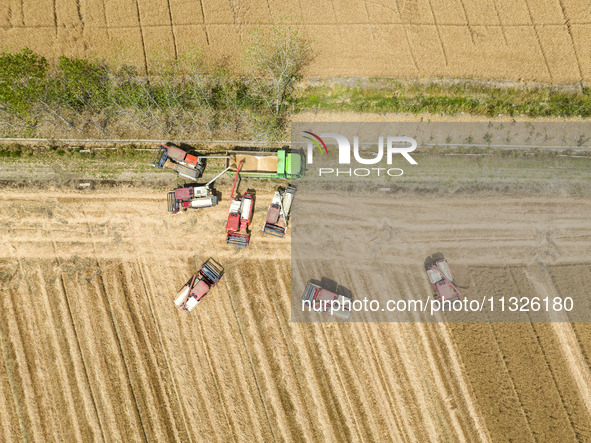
x: 181, y: 99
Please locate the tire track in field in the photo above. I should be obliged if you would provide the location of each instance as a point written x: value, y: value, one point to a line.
x: 501, y: 26
x: 204, y: 22
x: 107, y: 305
x: 465, y: 13
x: 438, y: 29
x: 225, y: 359
x: 158, y: 332
x: 143, y: 40
x: 87, y: 342
x: 72, y: 351
x: 314, y: 358
x: 542, y: 282
x: 172, y: 30
x: 277, y: 277
x: 199, y: 382
x: 240, y: 362
x: 146, y: 334
x: 19, y: 370
x: 54, y: 14
x: 188, y: 381
x: 442, y: 340
x: 10, y: 369
x: 533, y: 24
x: 115, y: 403
x: 289, y: 332
x: 412, y: 369
x: 520, y: 291
x: 572, y: 39
x: 405, y: 27
x: 37, y: 365
x: 149, y: 382
x: 324, y: 346
x: 353, y: 333
x: 424, y: 347
x: 251, y: 367
x: 9, y: 414
x: 57, y: 393
x: 266, y: 360
x: 328, y: 410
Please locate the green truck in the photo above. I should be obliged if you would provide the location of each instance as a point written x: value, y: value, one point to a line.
x: 284, y: 163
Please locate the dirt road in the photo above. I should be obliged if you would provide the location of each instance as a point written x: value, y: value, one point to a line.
x: 93, y: 348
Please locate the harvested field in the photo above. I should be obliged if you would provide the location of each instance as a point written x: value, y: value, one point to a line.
x: 521, y: 40
x: 93, y: 348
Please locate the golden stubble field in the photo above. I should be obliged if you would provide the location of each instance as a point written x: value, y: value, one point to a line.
x: 547, y: 41
x: 93, y: 348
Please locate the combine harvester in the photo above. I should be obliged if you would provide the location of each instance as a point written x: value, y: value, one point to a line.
x: 279, y: 210
x: 239, y: 217
x: 193, y: 196
x: 181, y: 162
x: 199, y: 285
x: 284, y: 163
x: 336, y: 300
x: 441, y: 279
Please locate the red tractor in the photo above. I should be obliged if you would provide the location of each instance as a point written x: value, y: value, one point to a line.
x: 239, y: 217
x: 199, y: 285
x: 441, y: 279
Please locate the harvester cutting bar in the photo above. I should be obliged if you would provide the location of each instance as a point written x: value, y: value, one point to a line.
x: 240, y: 240
x: 212, y: 270
x: 310, y: 291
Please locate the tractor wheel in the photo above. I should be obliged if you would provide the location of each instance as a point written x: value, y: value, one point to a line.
x: 437, y: 256
x: 428, y: 261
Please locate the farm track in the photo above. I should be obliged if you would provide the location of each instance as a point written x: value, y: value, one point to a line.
x: 93, y: 349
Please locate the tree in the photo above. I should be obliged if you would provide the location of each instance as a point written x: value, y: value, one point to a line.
x: 275, y: 57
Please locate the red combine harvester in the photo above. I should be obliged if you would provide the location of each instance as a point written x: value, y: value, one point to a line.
x: 441, y: 279
x: 279, y: 210
x: 193, y: 196
x: 335, y: 301
x: 199, y: 285
x: 239, y: 217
